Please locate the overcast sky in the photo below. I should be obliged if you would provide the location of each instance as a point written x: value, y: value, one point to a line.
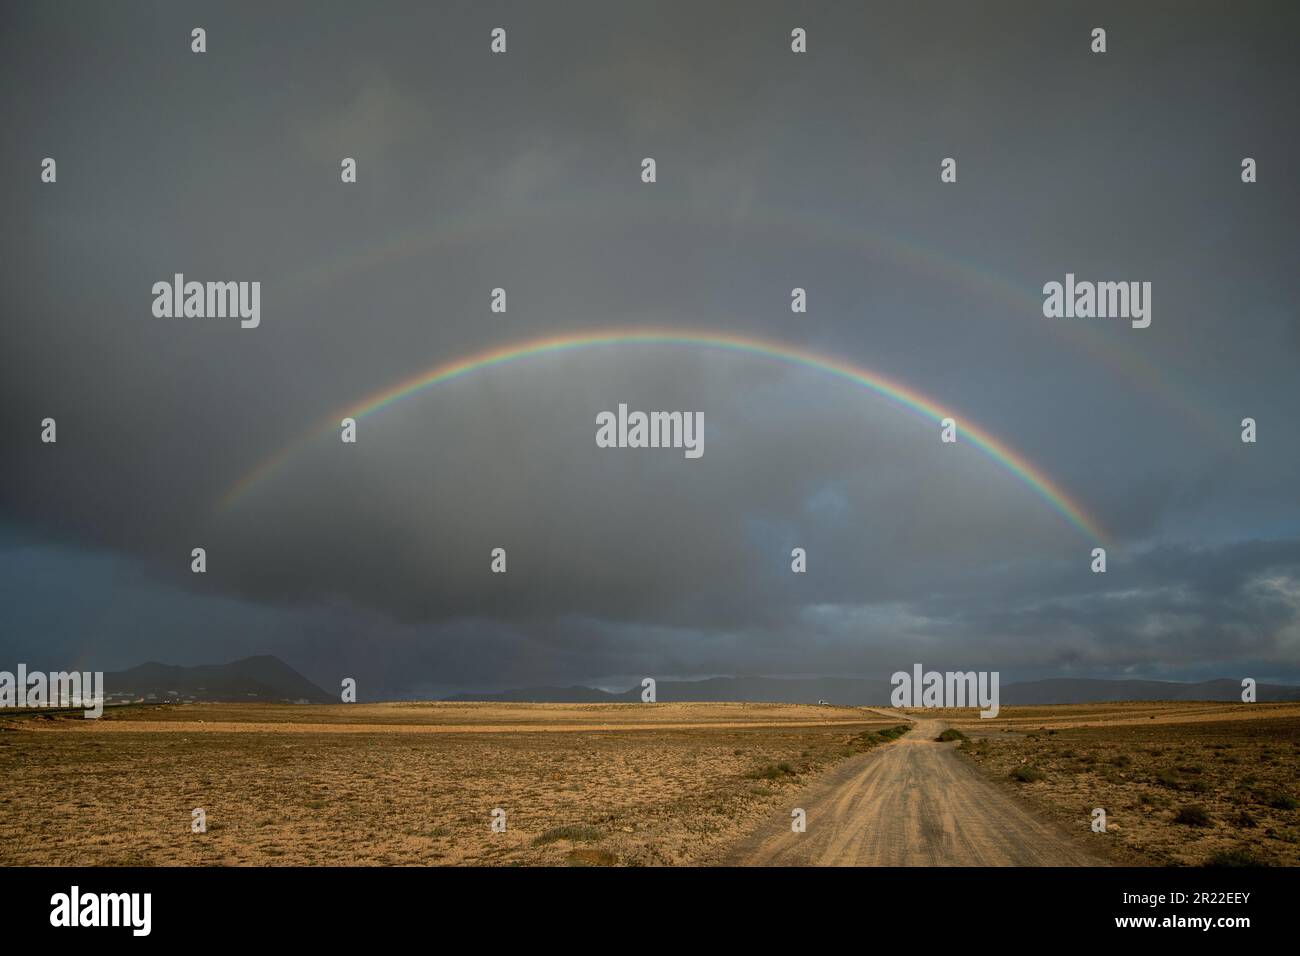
x: 775, y: 170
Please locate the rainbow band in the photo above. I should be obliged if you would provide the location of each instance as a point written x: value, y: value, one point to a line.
x: 479, y: 225
x: 895, y: 391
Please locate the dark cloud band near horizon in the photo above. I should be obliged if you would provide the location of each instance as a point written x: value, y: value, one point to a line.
x: 775, y: 171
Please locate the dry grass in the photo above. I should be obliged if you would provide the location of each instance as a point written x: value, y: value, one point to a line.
x: 1180, y: 783
x: 406, y: 784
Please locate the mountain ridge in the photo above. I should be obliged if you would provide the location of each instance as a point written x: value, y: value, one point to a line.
x: 867, y: 692
x: 262, y: 677
x: 268, y: 679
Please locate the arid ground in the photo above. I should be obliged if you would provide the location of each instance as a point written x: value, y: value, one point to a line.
x: 416, y: 784
x: 915, y: 803
x: 1181, y: 783
x: 407, y: 784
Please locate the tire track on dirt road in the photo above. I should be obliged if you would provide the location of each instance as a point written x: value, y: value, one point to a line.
x: 914, y: 802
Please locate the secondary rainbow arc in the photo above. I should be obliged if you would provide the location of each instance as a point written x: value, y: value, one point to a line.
x: 1115, y: 353
x: 901, y: 394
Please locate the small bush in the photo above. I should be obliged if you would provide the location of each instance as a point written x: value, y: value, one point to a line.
x: 577, y: 832
x: 1027, y: 774
x: 1193, y: 815
x: 1235, y: 858
x: 1279, y: 800
x: 950, y: 734
x: 773, y: 771
x: 1167, y: 778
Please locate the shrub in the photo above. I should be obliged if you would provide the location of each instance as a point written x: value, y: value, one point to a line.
x: 577, y: 832
x: 1238, y: 857
x: 1193, y: 815
x: 1167, y: 778
x: 1027, y: 774
x: 1279, y: 800
x: 773, y: 771
x: 950, y: 734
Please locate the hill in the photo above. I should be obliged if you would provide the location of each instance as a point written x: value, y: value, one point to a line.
x: 265, y: 679
x: 863, y: 692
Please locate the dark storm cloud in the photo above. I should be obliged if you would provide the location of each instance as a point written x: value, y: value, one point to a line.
x: 774, y: 171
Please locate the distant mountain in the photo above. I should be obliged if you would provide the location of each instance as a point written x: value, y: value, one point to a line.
x: 1067, y: 690
x: 778, y: 690
x: 264, y: 679
x: 862, y: 692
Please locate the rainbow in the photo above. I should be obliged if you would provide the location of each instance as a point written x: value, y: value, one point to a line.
x: 1114, y: 351
x: 895, y: 391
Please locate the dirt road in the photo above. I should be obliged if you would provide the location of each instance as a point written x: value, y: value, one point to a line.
x: 914, y: 802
